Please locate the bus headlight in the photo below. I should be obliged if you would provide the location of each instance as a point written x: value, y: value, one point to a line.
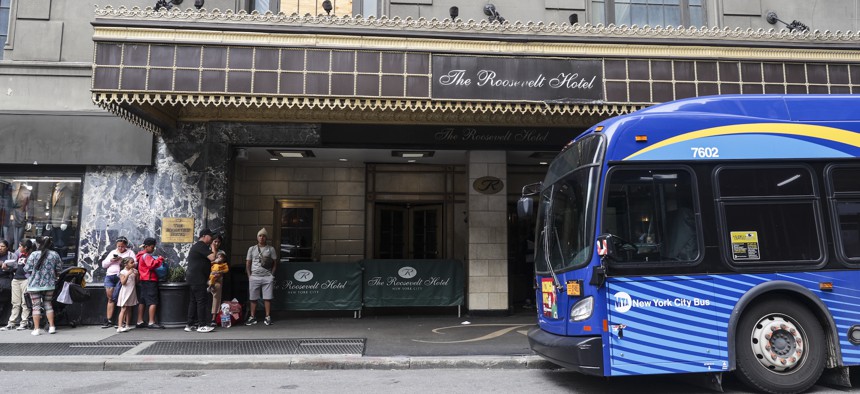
x: 582, y: 309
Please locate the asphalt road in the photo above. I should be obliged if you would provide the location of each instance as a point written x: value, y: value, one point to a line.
x: 470, y: 381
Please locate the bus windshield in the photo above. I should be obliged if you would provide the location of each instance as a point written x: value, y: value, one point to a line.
x: 567, y: 207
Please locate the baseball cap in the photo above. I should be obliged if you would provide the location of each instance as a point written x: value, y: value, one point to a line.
x: 206, y: 232
x: 149, y: 241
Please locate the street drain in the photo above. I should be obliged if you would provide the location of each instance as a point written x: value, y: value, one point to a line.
x: 66, y: 349
x: 319, y: 346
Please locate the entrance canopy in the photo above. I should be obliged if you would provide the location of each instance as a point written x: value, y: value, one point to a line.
x: 169, y: 66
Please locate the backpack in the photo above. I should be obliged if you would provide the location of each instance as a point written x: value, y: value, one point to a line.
x: 162, y: 271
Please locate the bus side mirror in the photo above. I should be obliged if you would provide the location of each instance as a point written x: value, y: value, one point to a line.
x: 606, y: 246
x: 526, y: 203
x: 605, y: 249
x: 526, y: 208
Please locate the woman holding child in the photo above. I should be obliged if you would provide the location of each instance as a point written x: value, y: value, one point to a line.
x: 216, y: 277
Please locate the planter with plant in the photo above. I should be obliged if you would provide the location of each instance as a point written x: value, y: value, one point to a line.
x: 173, y: 298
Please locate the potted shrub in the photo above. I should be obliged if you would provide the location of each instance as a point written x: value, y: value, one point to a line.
x: 173, y: 298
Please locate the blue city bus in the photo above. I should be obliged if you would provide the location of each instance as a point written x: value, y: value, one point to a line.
x: 707, y: 235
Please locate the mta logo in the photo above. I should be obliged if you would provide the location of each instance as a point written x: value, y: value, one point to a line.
x: 623, y: 302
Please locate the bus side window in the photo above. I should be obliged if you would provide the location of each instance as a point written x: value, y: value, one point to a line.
x: 845, y: 197
x: 652, y: 211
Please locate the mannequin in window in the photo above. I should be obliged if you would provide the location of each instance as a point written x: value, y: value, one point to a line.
x: 60, y: 213
x: 22, y: 212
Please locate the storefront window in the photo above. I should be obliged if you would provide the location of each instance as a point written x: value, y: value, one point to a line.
x: 4, y: 24
x: 649, y: 12
x: 35, y: 206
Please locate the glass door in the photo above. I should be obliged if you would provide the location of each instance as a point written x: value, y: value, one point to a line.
x: 299, y: 230
x: 405, y: 231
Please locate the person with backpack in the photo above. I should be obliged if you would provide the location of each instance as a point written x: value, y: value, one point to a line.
x: 146, y: 266
x: 44, y: 266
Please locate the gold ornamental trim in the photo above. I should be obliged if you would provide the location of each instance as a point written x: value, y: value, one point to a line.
x: 307, y: 109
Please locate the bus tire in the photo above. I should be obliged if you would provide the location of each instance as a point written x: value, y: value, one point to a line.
x: 780, y: 347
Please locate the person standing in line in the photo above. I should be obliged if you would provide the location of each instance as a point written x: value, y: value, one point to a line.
x: 44, y: 266
x: 216, y: 277
x: 261, y: 279
x: 112, y: 265
x: 127, y: 294
x: 8, y: 263
x: 19, y: 288
x: 146, y: 265
x: 200, y: 259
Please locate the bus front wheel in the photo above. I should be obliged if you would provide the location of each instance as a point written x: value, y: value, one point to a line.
x: 780, y: 347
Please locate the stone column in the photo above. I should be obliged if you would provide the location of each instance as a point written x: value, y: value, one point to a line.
x: 488, y: 235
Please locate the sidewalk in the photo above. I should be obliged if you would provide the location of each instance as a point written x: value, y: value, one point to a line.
x: 377, y: 342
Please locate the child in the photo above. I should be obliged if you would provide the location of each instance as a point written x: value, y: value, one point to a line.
x: 127, y: 294
x: 219, y: 266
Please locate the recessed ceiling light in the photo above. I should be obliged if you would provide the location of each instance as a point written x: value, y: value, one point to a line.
x: 342, y: 159
x: 291, y: 154
x: 273, y: 158
x: 410, y: 161
x: 543, y: 163
x: 412, y: 154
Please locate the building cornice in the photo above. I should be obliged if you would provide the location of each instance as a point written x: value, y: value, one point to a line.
x: 471, y: 29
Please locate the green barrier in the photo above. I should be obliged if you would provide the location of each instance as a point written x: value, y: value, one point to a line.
x: 413, y: 283
x: 317, y: 286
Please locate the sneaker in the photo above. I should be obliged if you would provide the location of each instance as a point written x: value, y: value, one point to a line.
x: 124, y: 329
x: 155, y: 326
x: 213, y: 324
x: 251, y: 321
x: 108, y: 324
x: 190, y: 328
x: 206, y: 329
x: 22, y: 327
x: 52, y: 330
x: 36, y: 332
x: 140, y: 325
x: 7, y: 327
x: 268, y: 321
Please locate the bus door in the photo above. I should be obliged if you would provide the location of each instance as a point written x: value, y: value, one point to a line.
x: 667, y: 325
x: 658, y: 324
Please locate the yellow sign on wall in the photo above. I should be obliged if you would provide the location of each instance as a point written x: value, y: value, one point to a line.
x: 177, y: 230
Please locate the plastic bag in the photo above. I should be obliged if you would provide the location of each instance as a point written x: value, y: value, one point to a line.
x: 64, y: 296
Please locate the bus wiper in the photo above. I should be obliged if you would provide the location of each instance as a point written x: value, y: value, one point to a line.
x: 548, y: 256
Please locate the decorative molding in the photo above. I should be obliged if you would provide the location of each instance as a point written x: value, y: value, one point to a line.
x: 471, y: 26
x: 302, y: 109
x: 605, y: 48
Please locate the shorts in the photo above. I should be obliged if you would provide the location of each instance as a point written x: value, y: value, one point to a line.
x: 111, y: 281
x: 149, y: 292
x: 261, y: 284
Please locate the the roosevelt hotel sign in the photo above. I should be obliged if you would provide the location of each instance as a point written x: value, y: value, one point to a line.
x: 517, y: 79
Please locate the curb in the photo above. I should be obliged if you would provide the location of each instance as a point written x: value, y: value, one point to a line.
x: 148, y: 363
